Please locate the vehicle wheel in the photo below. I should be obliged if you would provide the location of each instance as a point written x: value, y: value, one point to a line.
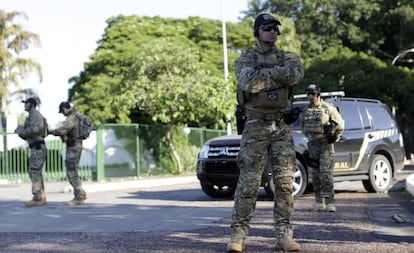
x: 300, y: 179
x: 300, y: 182
x: 218, y: 191
x: 380, y: 175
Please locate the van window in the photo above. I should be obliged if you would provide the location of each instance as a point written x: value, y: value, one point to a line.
x: 380, y: 118
x: 352, y: 117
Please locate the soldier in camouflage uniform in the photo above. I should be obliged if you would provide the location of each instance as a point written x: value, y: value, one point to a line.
x: 34, y: 131
x: 323, y: 125
x: 266, y: 76
x: 69, y: 132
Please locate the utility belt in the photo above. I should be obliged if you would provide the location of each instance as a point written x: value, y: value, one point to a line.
x: 70, y: 142
x: 316, y: 136
x: 37, y: 144
x: 269, y: 116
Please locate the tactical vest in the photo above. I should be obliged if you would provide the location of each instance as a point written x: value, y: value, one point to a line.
x: 315, y: 118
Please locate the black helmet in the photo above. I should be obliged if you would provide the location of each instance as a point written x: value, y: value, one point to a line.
x: 64, y: 105
x: 263, y: 19
x: 32, y: 101
x: 313, y: 88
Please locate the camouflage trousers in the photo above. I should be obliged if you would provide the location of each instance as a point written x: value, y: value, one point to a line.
x: 262, y: 140
x: 36, y: 161
x: 322, y: 176
x: 73, y: 155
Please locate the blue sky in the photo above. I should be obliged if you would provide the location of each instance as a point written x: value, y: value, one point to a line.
x: 69, y: 30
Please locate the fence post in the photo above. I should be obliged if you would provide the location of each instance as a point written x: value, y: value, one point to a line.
x: 100, y: 164
x: 5, y: 152
x: 138, y: 148
x: 203, y: 136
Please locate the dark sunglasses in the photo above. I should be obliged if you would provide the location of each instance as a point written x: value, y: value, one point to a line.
x: 312, y: 93
x: 269, y: 28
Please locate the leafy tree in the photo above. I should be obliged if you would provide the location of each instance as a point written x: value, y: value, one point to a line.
x: 399, y: 34
x: 167, y: 83
x: 377, y: 27
x: 14, y: 39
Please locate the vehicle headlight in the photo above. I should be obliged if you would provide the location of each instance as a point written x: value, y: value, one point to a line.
x: 204, y: 152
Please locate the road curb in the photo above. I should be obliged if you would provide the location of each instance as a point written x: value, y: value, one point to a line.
x: 138, y: 184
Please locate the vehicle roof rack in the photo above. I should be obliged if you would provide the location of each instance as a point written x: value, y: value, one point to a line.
x: 333, y: 94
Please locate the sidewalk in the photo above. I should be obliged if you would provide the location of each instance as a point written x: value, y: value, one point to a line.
x: 134, y: 184
x: 21, y: 190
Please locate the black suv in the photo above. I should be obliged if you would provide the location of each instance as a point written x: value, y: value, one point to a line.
x: 371, y: 149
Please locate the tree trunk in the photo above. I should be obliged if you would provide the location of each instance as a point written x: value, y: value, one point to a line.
x: 172, y: 148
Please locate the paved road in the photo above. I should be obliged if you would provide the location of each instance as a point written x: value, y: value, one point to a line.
x: 181, y: 218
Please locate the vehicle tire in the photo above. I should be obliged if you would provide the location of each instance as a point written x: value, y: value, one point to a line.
x: 218, y: 191
x: 380, y: 175
x: 300, y: 182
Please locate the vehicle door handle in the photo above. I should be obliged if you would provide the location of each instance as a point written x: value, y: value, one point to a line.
x: 370, y: 136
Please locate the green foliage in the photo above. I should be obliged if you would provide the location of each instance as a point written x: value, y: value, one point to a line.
x: 378, y: 27
x: 14, y: 39
x: 169, y: 84
x: 186, y: 151
x: 164, y: 160
x: 358, y: 74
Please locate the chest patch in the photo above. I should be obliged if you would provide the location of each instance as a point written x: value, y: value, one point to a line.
x: 272, y: 96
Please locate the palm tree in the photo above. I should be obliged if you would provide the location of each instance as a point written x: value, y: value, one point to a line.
x: 13, y: 40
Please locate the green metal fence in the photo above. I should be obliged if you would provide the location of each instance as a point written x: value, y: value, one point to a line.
x: 112, y: 151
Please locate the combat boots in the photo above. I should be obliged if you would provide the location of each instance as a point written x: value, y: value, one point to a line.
x: 76, y: 201
x: 235, y: 245
x: 330, y: 207
x: 79, y: 199
x: 318, y: 206
x: 33, y: 203
x: 286, y: 243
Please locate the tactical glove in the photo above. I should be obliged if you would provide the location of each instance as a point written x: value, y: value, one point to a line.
x: 331, y: 138
x: 278, y: 72
x: 260, y: 86
x: 291, y: 116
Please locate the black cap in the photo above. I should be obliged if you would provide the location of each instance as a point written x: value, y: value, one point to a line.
x: 32, y: 101
x: 64, y: 105
x: 313, y: 87
x: 264, y: 19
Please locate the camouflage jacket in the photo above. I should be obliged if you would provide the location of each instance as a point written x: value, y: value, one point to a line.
x: 34, y: 128
x: 69, y: 131
x: 258, y: 71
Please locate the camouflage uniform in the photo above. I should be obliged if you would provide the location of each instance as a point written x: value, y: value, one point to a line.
x: 34, y: 131
x: 69, y: 133
x: 265, y: 82
x: 314, y: 121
